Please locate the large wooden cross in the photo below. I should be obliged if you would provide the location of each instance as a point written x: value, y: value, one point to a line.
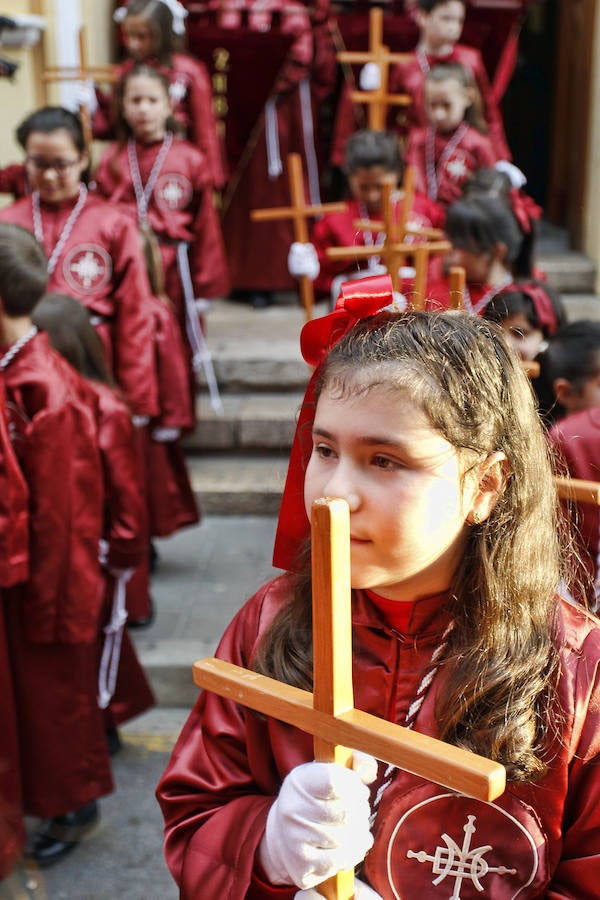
x: 394, y: 249
x: 82, y: 72
x: 377, y: 100
x: 329, y: 713
x: 299, y: 212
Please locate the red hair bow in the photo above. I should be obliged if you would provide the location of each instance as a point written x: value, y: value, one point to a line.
x: 358, y: 300
x: 525, y: 209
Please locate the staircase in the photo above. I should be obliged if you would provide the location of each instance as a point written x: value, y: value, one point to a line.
x: 238, y: 461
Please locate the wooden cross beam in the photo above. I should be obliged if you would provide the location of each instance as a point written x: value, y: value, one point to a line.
x: 82, y: 72
x: 329, y: 713
x: 579, y: 490
x: 299, y: 212
x: 394, y: 249
x: 378, y: 100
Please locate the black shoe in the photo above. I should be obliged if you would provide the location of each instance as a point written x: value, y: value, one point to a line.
x: 57, y: 837
x: 113, y: 741
x: 144, y: 622
x: 153, y: 557
x: 261, y: 299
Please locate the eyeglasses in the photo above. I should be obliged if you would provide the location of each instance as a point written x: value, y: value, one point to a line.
x: 59, y: 165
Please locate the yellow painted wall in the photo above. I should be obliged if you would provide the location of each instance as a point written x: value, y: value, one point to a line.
x: 27, y: 91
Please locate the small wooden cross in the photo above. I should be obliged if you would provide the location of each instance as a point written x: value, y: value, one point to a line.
x: 394, y: 249
x: 578, y: 489
x: 82, y: 72
x: 378, y: 100
x: 299, y: 212
x: 329, y: 713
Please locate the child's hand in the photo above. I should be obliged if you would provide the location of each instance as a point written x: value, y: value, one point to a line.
x: 85, y: 95
x: 319, y: 823
x: 362, y: 891
x: 303, y: 260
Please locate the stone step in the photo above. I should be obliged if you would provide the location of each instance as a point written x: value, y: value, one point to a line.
x: 257, y: 420
x: 569, y: 271
x: 242, y: 485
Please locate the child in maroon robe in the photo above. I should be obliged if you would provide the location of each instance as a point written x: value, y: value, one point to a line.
x: 14, y: 556
x: 53, y: 618
x: 495, y: 244
x: 123, y: 691
x: 152, y: 35
x: 569, y: 393
x: 372, y: 159
x: 453, y: 144
x: 92, y: 248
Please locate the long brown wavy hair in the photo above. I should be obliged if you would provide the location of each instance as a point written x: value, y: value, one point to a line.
x: 501, y: 661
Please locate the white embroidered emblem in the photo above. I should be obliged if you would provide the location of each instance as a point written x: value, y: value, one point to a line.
x: 173, y: 191
x: 457, y: 168
x: 177, y: 91
x: 87, y: 267
x: 460, y: 862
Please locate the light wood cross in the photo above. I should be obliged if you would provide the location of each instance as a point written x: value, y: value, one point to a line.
x: 578, y: 489
x: 394, y: 249
x: 82, y: 72
x: 329, y: 713
x: 378, y: 100
x: 299, y: 212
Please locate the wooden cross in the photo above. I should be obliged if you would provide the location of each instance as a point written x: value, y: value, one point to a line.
x: 82, y: 72
x: 394, y: 249
x: 299, y: 212
x: 378, y: 100
x: 329, y: 713
x: 578, y: 489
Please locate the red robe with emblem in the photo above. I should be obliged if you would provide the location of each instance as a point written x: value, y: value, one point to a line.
x: 473, y: 152
x: 53, y: 619
x: 577, y: 439
x: 14, y: 545
x: 101, y: 265
x: 338, y: 230
x: 180, y: 208
x: 536, y: 840
x: 192, y: 100
x: 126, y: 537
x: 257, y: 251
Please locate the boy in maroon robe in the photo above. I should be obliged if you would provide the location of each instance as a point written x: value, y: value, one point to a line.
x: 13, y: 569
x: 52, y: 618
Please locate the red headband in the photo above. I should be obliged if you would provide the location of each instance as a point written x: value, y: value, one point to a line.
x: 525, y: 209
x: 543, y: 306
x: 358, y: 300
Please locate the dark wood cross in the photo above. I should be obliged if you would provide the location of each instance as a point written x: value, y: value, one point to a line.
x: 82, y: 72
x: 299, y: 212
x: 395, y: 248
x: 377, y: 100
x: 329, y: 713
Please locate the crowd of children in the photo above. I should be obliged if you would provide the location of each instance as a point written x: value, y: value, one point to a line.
x: 469, y: 616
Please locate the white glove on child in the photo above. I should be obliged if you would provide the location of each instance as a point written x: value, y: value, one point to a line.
x: 517, y: 178
x: 84, y: 94
x: 165, y: 435
x: 362, y: 891
x: 319, y: 823
x: 303, y: 260
x: 370, y: 77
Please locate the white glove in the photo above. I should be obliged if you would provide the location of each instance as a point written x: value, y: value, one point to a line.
x: 84, y: 94
x: 319, y: 823
x: 302, y: 260
x: 370, y: 77
x: 362, y: 891
x: 165, y: 435
x: 517, y: 178
x: 201, y: 305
